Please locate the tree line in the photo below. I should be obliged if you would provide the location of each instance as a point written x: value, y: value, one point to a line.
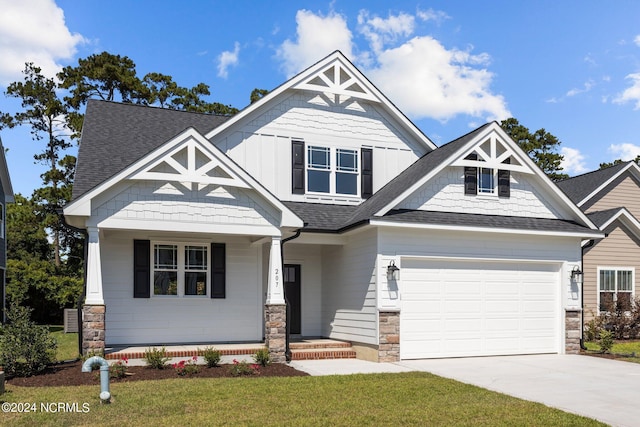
x: 45, y: 258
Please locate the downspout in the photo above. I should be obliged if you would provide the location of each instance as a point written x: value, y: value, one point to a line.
x: 85, y: 249
x: 87, y: 366
x: 287, y: 350
x: 588, y: 245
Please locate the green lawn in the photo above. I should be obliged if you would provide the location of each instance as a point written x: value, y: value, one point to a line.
x: 67, y: 343
x: 415, y: 398
x: 620, y: 347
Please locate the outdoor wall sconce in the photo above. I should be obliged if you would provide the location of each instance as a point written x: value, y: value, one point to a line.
x: 576, y: 274
x: 393, y: 272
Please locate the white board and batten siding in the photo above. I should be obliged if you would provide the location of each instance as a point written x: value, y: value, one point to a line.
x: 348, y: 294
x: 470, y: 294
x: 262, y: 144
x: 164, y: 320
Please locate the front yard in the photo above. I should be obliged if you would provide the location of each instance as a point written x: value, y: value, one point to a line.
x: 376, y: 399
x: 628, y: 350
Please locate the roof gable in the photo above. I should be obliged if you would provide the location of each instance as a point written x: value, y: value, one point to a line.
x: 604, y: 219
x: 491, y: 144
x: 582, y: 188
x: 115, y: 135
x: 189, y: 160
x: 336, y: 79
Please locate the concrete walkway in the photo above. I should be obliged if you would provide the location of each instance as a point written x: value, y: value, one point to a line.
x: 603, y: 389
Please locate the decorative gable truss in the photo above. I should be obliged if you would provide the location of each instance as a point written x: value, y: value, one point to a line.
x: 189, y: 163
x: 192, y: 167
x: 488, y: 162
x: 337, y: 80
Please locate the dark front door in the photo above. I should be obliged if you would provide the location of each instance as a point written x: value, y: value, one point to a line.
x: 292, y: 293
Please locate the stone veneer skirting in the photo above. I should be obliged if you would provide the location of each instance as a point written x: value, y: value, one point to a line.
x: 275, y: 323
x: 572, y: 330
x: 389, y: 338
x: 93, y: 318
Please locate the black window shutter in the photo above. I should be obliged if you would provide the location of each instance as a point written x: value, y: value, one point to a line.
x: 218, y: 270
x: 471, y: 177
x: 141, y: 268
x: 367, y: 173
x: 297, y: 167
x: 504, y: 181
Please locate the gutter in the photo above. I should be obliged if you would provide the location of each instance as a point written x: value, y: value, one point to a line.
x: 84, y: 273
x: 287, y: 350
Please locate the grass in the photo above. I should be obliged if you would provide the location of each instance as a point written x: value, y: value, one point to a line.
x: 67, y: 343
x: 415, y: 398
x: 620, y: 347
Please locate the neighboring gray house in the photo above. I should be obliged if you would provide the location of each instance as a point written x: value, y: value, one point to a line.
x: 6, y: 196
x: 197, y: 225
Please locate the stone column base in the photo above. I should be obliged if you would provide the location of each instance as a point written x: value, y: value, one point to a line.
x: 275, y: 323
x: 572, y: 330
x: 93, y: 327
x: 389, y: 336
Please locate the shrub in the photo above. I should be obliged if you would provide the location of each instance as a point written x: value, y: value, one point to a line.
x: 211, y: 356
x: 187, y: 367
x: 25, y: 348
x: 243, y: 368
x: 592, y: 329
x: 119, y: 369
x: 156, y: 359
x: 606, y: 341
x: 262, y: 357
x: 621, y: 318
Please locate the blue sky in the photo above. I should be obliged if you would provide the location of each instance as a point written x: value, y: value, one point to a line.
x: 571, y: 67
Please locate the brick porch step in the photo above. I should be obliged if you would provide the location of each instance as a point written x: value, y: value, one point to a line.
x: 182, y: 352
x: 321, y: 349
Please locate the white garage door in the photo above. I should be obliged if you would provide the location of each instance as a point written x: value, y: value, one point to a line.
x: 452, y: 309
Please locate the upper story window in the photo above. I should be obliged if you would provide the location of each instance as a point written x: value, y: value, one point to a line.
x: 615, y: 288
x: 486, y: 181
x: 331, y: 170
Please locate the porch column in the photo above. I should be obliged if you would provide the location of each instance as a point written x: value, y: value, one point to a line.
x: 93, y: 311
x: 275, y: 310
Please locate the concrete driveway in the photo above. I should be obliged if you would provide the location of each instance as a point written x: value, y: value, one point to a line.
x: 603, y: 389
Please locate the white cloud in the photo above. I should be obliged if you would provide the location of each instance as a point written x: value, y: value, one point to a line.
x: 420, y: 75
x: 317, y: 37
x: 636, y: 40
x: 33, y: 31
x: 573, y: 162
x: 625, y: 151
x: 379, y: 31
x: 228, y: 59
x: 586, y: 88
x: 432, y: 15
x: 631, y: 93
x: 426, y: 80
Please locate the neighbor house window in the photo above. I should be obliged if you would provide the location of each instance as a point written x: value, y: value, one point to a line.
x: 332, y: 170
x: 180, y: 269
x: 615, y: 287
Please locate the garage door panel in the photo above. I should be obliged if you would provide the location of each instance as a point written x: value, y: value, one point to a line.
x: 478, y: 308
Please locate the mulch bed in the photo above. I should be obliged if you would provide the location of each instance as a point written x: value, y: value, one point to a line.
x: 70, y: 374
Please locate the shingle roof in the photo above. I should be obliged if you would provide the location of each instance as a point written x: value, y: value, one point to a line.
x: 602, y: 217
x: 409, y: 176
x: 321, y: 217
x: 116, y: 135
x: 579, y: 187
x: 483, y: 221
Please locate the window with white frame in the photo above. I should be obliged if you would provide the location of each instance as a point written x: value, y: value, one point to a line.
x: 486, y: 181
x: 180, y: 269
x: 332, y: 170
x: 615, y: 288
